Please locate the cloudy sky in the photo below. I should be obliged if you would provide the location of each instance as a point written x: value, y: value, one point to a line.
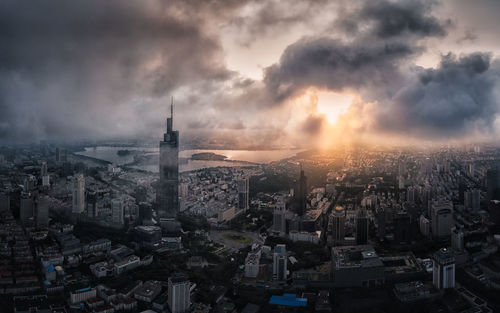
x: 262, y: 73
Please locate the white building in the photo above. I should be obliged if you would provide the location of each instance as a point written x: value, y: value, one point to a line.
x: 279, y: 218
x: 179, y: 293
x: 252, y: 264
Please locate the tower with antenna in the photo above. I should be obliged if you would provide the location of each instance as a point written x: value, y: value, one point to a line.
x: 167, y: 194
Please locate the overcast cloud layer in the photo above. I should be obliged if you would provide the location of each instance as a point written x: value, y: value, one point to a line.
x: 106, y: 69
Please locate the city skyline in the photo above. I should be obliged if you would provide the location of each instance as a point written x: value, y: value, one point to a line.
x: 263, y: 74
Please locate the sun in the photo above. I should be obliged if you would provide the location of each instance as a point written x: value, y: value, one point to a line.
x: 332, y: 104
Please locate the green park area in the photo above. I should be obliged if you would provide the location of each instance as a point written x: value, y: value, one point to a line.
x: 239, y: 238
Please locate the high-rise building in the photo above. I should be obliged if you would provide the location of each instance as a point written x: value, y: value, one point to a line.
x: 243, y: 194
x: 42, y: 212
x: 4, y: 201
x: 337, y: 219
x: 26, y: 207
x: 179, y: 293
x: 425, y: 226
x: 279, y: 218
x: 472, y: 199
x: 78, y: 193
x: 402, y: 228
x: 61, y: 155
x: 145, y: 213
x: 493, y: 183
x: 117, y: 211
x: 301, y: 193
x: 494, y: 211
x: 167, y: 195
x: 361, y: 228
x: 443, y: 269
x: 381, y: 228
x: 280, y: 271
x: 441, y: 219
x: 43, y: 169
x: 91, y: 204
x: 410, y: 195
x: 457, y: 239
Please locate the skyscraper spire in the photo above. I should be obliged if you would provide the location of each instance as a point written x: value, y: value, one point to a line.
x: 170, y: 120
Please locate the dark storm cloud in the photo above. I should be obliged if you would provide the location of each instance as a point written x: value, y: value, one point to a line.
x: 68, y: 68
x: 456, y: 98
x: 386, y: 19
x: 332, y: 64
x: 313, y: 124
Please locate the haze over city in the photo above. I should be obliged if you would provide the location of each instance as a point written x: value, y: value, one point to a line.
x: 249, y: 156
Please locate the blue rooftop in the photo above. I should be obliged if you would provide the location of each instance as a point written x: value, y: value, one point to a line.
x: 82, y: 290
x: 288, y: 299
x: 50, y: 268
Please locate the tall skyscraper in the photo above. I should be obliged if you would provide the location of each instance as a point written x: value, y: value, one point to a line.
x: 78, y: 187
x: 457, y: 239
x: 91, y: 203
x: 280, y: 271
x: 443, y: 269
x: 117, y: 211
x: 338, y: 224
x: 4, y: 201
x: 43, y: 169
x: 167, y: 195
x: 402, y: 228
x: 179, y: 293
x: 361, y: 228
x: 243, y: 194
x: 61, y: 155
x: 42, y: 212
x: 26, y: 207
x: 301, y: 193
x: 279, y: 218
x: 472, y: 199
x: 380, y: 215
x: 493, y: 183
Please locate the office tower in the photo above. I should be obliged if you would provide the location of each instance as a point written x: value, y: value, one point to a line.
x: 279, y: 218
x: 26, y: 207
x: 167, y: 197
x: 425, y: 226
x: 410, y: 195
x: 179, y: 293
x: 42, y: 212
x: 78, y: 186
x: 61, y: 155
x: 243, y: 194
x: 280, y: 263
x: 380, y: 216
x: 4, y: 201
x: 441, y: 219
x: 494, y: 212
x: 461, y: 191
x: 443, y: 274
x: 493, y: 183
x: 91, y: 203
x: 140, y: 194
x: 457, y: 239
x: 361, y: 228
x: 472, y: 199
x: 117, y: 211
x: 145, y: 212
x: 338, y: 224
x: 46, y: 181
x: 301, y: 193
x: 43, y: 169
x: 29, y: 183
x: 402, y: 228
x: 471, y: 169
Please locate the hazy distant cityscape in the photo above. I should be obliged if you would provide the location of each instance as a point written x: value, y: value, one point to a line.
x: 250, y: 156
